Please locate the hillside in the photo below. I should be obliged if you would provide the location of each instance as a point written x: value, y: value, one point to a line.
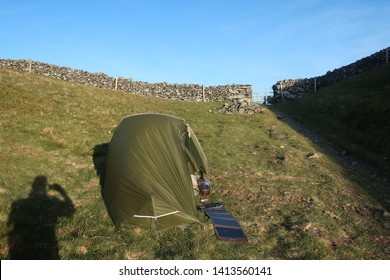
x: 353, y: 113
x: 293, y: 200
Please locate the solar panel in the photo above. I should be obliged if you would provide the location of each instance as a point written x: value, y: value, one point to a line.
x: 226, y: 226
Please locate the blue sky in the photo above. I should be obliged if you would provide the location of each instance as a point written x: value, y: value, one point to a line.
x: 204, y: 42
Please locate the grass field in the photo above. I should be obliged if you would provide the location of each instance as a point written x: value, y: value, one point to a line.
x: 289, y: 205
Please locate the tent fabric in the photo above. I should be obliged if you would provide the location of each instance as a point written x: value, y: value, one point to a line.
x: 148, y: 178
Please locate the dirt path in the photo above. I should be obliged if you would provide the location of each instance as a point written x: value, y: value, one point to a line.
x: 350, y: 161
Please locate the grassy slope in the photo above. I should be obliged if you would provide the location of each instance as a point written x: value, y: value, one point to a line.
x: 354, y: 113
x: 291, y: 207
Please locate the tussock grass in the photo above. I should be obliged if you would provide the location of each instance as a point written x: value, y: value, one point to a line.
x: 290, y: 207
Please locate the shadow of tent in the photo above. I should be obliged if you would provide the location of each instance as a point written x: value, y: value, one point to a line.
x: 100, y: 161
x: 99, y: 158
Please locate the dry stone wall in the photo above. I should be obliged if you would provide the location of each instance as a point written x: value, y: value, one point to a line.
x: 296, y: 88
x: 185, y: 92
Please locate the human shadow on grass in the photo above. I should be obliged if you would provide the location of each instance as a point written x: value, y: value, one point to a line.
x: 33, y: 222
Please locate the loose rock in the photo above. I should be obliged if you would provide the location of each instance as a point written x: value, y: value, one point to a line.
x: 242, y: 107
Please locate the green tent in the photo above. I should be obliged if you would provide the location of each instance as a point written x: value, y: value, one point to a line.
x: 150, y: 161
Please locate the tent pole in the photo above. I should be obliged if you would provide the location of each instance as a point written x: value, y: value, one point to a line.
x: 158, y: 235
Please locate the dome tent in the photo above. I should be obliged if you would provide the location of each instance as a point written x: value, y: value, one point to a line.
x: 150, y: 161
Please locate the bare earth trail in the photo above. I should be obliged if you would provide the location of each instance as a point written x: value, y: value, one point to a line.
x: 350, y: 161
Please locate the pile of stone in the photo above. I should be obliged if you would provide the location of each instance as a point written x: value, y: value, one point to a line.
x: 242, y: 107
